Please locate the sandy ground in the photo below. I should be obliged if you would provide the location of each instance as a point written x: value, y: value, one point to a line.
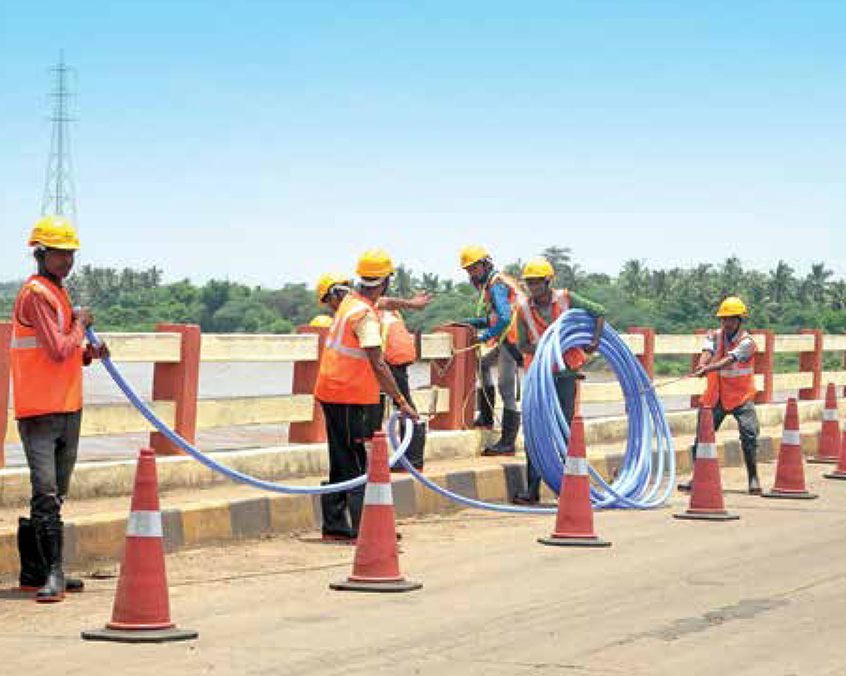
x: 762, y: 595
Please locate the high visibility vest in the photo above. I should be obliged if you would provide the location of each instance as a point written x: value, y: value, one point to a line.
x: 536, y: 325
x: 39, y: 384
x: 732, y: 385
x: 484, y: 306
x: 345, y: 375
x: 397, y: 342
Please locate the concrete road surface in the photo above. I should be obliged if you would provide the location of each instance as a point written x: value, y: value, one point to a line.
x: 763, y: 595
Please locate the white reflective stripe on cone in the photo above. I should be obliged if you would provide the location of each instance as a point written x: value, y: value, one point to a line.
x: 378, y: 494
x: 576, y: 466
x: 144, y: 525
x: 791, y: 437
x: 706, y: 451
x: 829, y: 414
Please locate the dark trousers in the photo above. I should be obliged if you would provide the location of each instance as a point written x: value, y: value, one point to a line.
x: 376, y: 416
x: 565, y: 389
x: 50, y: 443
x: 347, y: 426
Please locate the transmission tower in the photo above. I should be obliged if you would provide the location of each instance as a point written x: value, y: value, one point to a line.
x: 59, y: 195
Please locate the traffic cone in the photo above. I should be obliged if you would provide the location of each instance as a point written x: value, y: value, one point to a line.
x: 828, y: 450
x: 790, y: 473
x: 141, y: 612
x: 574, y: 521
x: 376, y: 563
x: 839, y: 471
x: 706, y: 491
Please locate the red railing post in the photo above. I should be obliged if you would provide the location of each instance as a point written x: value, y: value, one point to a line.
x: 811, y: 362
x: 5, y: 342
x: 694, y: 360
x: 764, y: 365
x: 457, y: 374
x: 178, y: 382
x: 647, y: 359
x: 305, y: 378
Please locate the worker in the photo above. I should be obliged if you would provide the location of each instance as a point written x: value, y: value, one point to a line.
x: 352, y: 371
x: 46, y: 358
x: 398, y: 347
x: 496, y: 316
x: 400, y: 351
x: 727, y: 360
x: 534, y: 315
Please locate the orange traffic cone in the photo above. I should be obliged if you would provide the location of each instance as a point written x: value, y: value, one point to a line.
x: 839, y: 471
x: 574, y: 521
x: 376, y: 564
x: 141, y: 612
x: 706, y: 491
x: 790, y: 473
x: 829, y: 439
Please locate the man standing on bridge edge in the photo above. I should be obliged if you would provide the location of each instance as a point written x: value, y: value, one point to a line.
x: 728, y: 361
x: 534, y: 315
x: 496, y: 316
x: 46, y: 357
x: 352, y: 370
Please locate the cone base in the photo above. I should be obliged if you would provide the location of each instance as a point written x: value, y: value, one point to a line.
x: 823, y: 460
x: 835, y: 475
x: 555, y: 541
x: 803, y: 495
x: 140, y: 635
x: 707, y: 516
x: 395, y: 586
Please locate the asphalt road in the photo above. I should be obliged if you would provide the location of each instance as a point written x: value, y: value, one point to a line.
x: 762, y: 595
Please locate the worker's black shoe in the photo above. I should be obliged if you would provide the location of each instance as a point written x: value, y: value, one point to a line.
x: 49, y: 539
x: 750, y: 459
x: 754, y: 486
x: 685, y: 486
x: 510, y: 427
x: 525, y: 499
x: 33, y: 573
x: 339, y: 535
x: 485, y: 400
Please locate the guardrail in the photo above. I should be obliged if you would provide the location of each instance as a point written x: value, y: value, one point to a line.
x: 177, y: 352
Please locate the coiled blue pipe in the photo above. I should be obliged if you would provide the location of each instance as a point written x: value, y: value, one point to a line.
x: 231, y: 473
x: 646, y: 476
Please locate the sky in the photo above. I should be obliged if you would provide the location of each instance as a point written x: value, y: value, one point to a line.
x: 270, y: 141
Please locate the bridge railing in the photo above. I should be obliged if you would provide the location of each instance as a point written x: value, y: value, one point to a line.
x: 177, y: 352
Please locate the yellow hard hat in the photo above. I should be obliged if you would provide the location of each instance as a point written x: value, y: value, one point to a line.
x: 374, y: 263
x: 538, y: 267
x: 323, y: 321
x: 473, y: 254
x: 327, y: 281
x: 54, y: 232
x: 732, y: 307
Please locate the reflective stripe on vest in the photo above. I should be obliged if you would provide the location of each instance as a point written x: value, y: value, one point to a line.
x: 41, y: 385
x: 734, y: 384
x: 345, y: 375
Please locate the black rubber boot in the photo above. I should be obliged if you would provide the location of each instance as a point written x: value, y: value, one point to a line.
x: 533, y: 480
x: 50, y: 541
x: 685, y: 486
x: 750, y: 459
x: 485, y: 401
x: 355, y: 502
x: 335, y: 524
x: 33, y: 567
x: 510, y: 427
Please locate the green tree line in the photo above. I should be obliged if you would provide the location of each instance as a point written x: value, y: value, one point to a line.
x: 675, y: 300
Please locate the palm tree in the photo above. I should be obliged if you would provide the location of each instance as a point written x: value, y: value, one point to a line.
x: 781, y: 283
x: 817, y: 282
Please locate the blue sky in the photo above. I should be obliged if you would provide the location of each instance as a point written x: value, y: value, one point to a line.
x: 268, y: 141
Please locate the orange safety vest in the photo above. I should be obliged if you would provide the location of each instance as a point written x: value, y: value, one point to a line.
x: 732, y: 385
x: 536, y: 325
x: 345, y: 375
x: 397, y: 342
x: 484, y: 304
x: 39, y: 384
